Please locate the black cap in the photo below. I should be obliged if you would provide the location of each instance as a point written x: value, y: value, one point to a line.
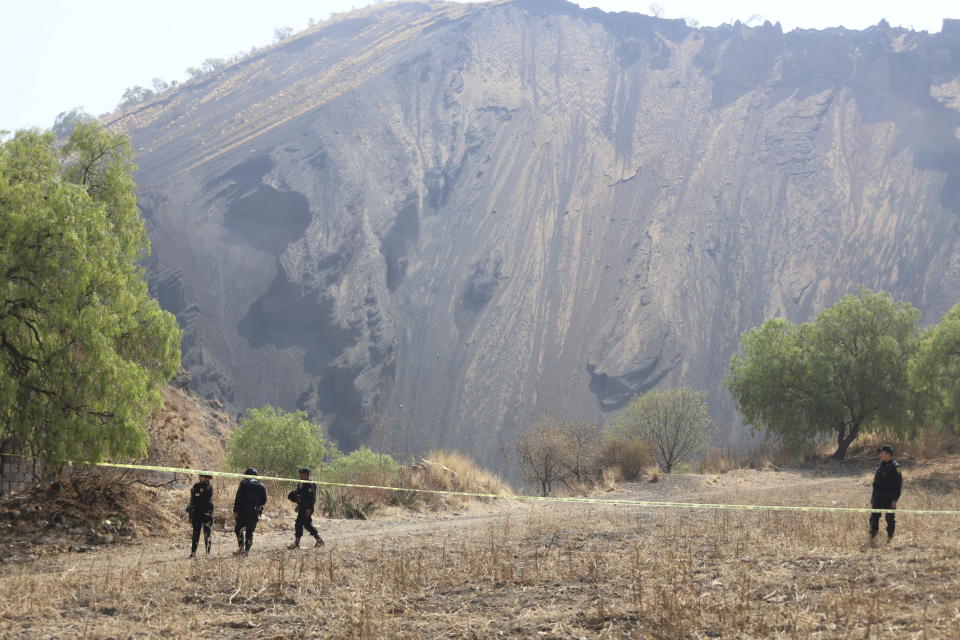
x: 305, y: 470
x: 250, y: 472
x: 206, y: 475
x: 885, y: 447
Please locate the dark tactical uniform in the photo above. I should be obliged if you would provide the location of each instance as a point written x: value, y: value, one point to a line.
x: 305, y: 495
x: 201, y: 513
x: 251, y: 496
x: 887, y: 483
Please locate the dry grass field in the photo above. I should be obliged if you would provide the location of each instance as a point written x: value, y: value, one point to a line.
x: 542, y: 571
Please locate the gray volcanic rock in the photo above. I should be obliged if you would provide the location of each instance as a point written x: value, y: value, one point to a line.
x: 456, y: 216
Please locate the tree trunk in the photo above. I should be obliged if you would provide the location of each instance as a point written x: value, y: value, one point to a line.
x: 844, y: 438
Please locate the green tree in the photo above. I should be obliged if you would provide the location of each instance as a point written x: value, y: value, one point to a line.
x: 935, y: 371
x: 277, y: 442
x: 361, y: 466
x: 134, y: 95
x: 844, y: 374
x: 674, y: 423
x: 213, y: 64
x: 83, y: 346
x: 160, y: 85
x: 67, y: 121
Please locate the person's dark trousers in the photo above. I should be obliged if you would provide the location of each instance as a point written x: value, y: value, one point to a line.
x: 882, y: 503
x: 246, y: 525
x: 304, y: 521
x: 201, y: 521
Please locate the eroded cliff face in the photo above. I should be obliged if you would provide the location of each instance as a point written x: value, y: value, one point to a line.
x: 456, y: 216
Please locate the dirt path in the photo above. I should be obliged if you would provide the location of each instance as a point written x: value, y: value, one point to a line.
x: 276, y: 530
x: 520, y: 569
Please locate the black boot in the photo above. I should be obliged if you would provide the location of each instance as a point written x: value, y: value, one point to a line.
x: 295, y: 545
x: 319, y: 542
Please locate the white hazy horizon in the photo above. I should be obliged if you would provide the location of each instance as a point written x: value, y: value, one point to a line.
x: 61, y: 54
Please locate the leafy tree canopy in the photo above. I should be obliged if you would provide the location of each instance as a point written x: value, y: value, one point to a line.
x: 674, y: 423
x: 278, y: 443
x: 360, y: 466
x: 936, y: 369
x: 83, y: 346
x: 843, y: 374
x: 282, y: 33
x: 67, y: 121
x: 134, y: 95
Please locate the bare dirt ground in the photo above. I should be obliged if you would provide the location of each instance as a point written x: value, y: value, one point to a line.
x: 515, y: 569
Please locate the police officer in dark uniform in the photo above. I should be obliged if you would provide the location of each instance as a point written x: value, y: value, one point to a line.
x: 247, y: 506
x: 887, y: 483
x: 201, y: 513
x: 305, y: 495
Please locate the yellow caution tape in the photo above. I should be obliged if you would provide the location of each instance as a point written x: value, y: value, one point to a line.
x: 499, y: 496
x: 467, y: 494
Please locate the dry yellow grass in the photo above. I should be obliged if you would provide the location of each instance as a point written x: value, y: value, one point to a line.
x: 188, y: 431
x: 557, y: 571
x: 442, y: 470
x: 455, y: 471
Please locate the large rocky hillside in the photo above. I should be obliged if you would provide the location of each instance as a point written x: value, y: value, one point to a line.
x: 449, y: 217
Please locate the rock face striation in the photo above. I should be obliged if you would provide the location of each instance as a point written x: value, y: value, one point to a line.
x: 447, y: 218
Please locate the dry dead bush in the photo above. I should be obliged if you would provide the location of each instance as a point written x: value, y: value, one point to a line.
x: 630, y: 455
x: 610, y: 478
x: 552, y: 452
x: 456, y: 471
x: 443, y: 470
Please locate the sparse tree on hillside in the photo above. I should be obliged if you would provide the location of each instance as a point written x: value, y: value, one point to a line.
x: 282, y: 33
x: 160, y: 85
x: 277, y: 442
x: 674, y: 423
x: 83, y: 346
x: 194, y: 72
x: 844, y: 373
x: 134, y: 95
x: 213, y: 64
x: 67, y: 121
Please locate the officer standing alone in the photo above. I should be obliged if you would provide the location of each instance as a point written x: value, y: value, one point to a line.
x: 305, y: 495
x: 247, y: 506
x: 887, y: 483
x: 201, y: 513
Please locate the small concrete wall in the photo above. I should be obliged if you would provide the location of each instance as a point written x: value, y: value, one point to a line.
x: 16, y: 473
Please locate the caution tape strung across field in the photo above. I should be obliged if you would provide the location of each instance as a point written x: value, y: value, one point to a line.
x: 467, y: 494
x: 499, y: 496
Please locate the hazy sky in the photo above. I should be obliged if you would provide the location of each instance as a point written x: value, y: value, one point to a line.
x: 59, y: 54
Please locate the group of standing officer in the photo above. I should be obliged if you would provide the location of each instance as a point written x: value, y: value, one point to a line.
x: 252, y: 496
x: 247, y: 508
